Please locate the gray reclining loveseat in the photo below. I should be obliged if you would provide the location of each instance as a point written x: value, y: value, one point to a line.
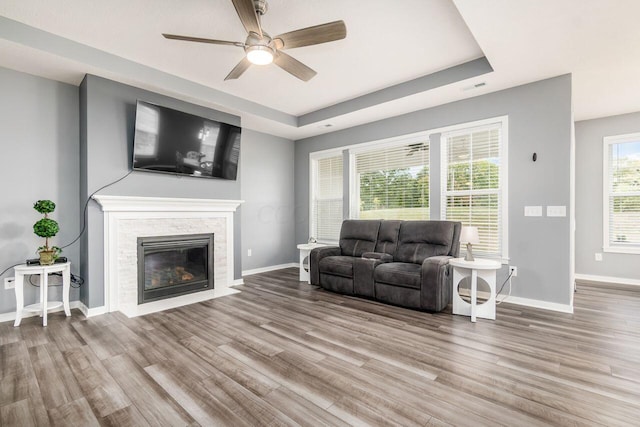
x: 398, y: 262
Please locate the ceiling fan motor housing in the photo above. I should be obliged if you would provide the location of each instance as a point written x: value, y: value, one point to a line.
x: 261, y: 6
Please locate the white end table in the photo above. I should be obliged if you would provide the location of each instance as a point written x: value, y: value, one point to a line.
x: 305, y: 250
x: 44, y: 305
x: 478, y: 268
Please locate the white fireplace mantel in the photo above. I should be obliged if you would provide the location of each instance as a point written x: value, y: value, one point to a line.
x: 128, y: 217
x: 164, y: 204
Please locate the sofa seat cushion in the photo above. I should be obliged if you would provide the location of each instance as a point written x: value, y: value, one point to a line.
x: 403, y: 274
x: 337, y: 265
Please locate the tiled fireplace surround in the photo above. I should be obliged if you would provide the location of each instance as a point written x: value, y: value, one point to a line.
x: 126, y: 218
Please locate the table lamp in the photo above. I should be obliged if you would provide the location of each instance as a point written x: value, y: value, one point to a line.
x: 469, y: 235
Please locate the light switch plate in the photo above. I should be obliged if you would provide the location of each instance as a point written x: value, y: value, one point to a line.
x: 556, y: 211
x: 533, y: 211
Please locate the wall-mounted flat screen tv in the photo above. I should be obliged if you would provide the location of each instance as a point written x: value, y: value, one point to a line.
x: 178, y: 143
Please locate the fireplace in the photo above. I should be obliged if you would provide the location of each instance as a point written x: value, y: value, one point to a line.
x: 169, y: 266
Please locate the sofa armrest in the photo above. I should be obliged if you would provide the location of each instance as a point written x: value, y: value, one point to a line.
x: 435, y: 289
x: 314, y: 261
x: 378, y: 256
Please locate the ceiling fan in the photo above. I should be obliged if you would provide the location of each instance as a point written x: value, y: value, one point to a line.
x: 262, y: 49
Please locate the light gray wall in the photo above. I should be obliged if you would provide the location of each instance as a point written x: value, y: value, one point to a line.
x: 39, y: 141
x: 539, y: 121
x: 589, y: 187
x: 268, y: 190
x: 107, y: 137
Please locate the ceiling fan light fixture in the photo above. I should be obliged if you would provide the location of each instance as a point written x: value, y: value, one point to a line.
x: 260, y: 55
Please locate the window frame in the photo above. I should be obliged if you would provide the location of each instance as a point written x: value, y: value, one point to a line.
x: 503, y: 192
x: 314, y: 157
x: 607, y: 245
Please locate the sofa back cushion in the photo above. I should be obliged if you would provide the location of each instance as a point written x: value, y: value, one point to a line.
x: 418, y: 240
x: 358, y: 236
x: 388, y: 237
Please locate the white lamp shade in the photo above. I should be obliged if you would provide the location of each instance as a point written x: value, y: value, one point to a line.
x: 469, y: 234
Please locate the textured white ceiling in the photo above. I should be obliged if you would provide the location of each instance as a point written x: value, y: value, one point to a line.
x: 388, y: 42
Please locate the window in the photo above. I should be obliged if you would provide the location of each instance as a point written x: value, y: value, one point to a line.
x: 326, y: 197
x: 392, y: 181
x: 474, y: 184
x: 622, y: 193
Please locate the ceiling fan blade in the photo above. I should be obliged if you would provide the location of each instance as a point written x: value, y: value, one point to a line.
x: 201, y: 40
x: 247, y: 13
x: 293, y: 66
x: 238, y: 69
x: 323, y: 33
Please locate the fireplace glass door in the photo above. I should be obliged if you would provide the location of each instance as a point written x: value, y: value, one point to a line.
x: 174, y: 265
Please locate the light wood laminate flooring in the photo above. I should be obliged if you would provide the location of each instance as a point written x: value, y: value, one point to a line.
x: 286, y: 353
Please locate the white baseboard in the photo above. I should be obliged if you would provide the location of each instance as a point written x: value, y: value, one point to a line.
x: 90, y: 312
x: 553, y: 306
x: 237, y: 282
x: 563, y: 308
x: 269, y: 268
x: 11, y: 316
x: 546, y: 305
x: 608, y: 279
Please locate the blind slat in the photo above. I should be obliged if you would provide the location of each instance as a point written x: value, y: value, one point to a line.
x: 327, y: 200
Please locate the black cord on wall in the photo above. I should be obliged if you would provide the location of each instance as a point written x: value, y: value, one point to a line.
x: 79, y: 281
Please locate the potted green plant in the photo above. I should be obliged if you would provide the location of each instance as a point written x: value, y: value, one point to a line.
x: 46, y: 228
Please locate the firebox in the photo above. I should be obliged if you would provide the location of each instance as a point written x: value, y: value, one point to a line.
x: 169, y: 266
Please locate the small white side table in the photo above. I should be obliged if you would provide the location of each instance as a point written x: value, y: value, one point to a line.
x: 478, y: 268
x: 44, y: 305
x: 305, y: 250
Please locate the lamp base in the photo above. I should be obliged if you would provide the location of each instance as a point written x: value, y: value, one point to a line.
x: 469, y: 256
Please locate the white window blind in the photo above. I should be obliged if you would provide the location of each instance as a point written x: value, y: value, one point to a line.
x: 472, y: 190
x: 392, y: 182
x: 622, y: 192
x: 326, y: 209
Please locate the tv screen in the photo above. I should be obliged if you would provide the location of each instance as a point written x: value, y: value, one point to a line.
x: 175, y: 142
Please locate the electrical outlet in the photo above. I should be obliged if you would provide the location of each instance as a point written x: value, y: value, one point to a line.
x: 598, y: 256
x: 9, y: 282
x: 248, y: 252
x: 513, y: 271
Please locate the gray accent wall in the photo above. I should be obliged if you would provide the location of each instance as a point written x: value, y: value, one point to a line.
x: 539, y: 121
x: 267, y: 186
x: 107, y: 144
x: 39, y: 141
x: 589, y: 195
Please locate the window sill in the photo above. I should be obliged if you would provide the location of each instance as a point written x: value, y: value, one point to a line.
x: 618, y: 250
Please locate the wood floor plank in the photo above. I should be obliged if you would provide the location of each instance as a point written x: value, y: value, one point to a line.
x: 18, y: 414
x: 155, y: 405
x: 244, y: 375
x: 100, y: 338
x: 75, y: 413
x: 102, y: 392
x: 301, y: 410
x: 57, y: 384
x: 125, y: 417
